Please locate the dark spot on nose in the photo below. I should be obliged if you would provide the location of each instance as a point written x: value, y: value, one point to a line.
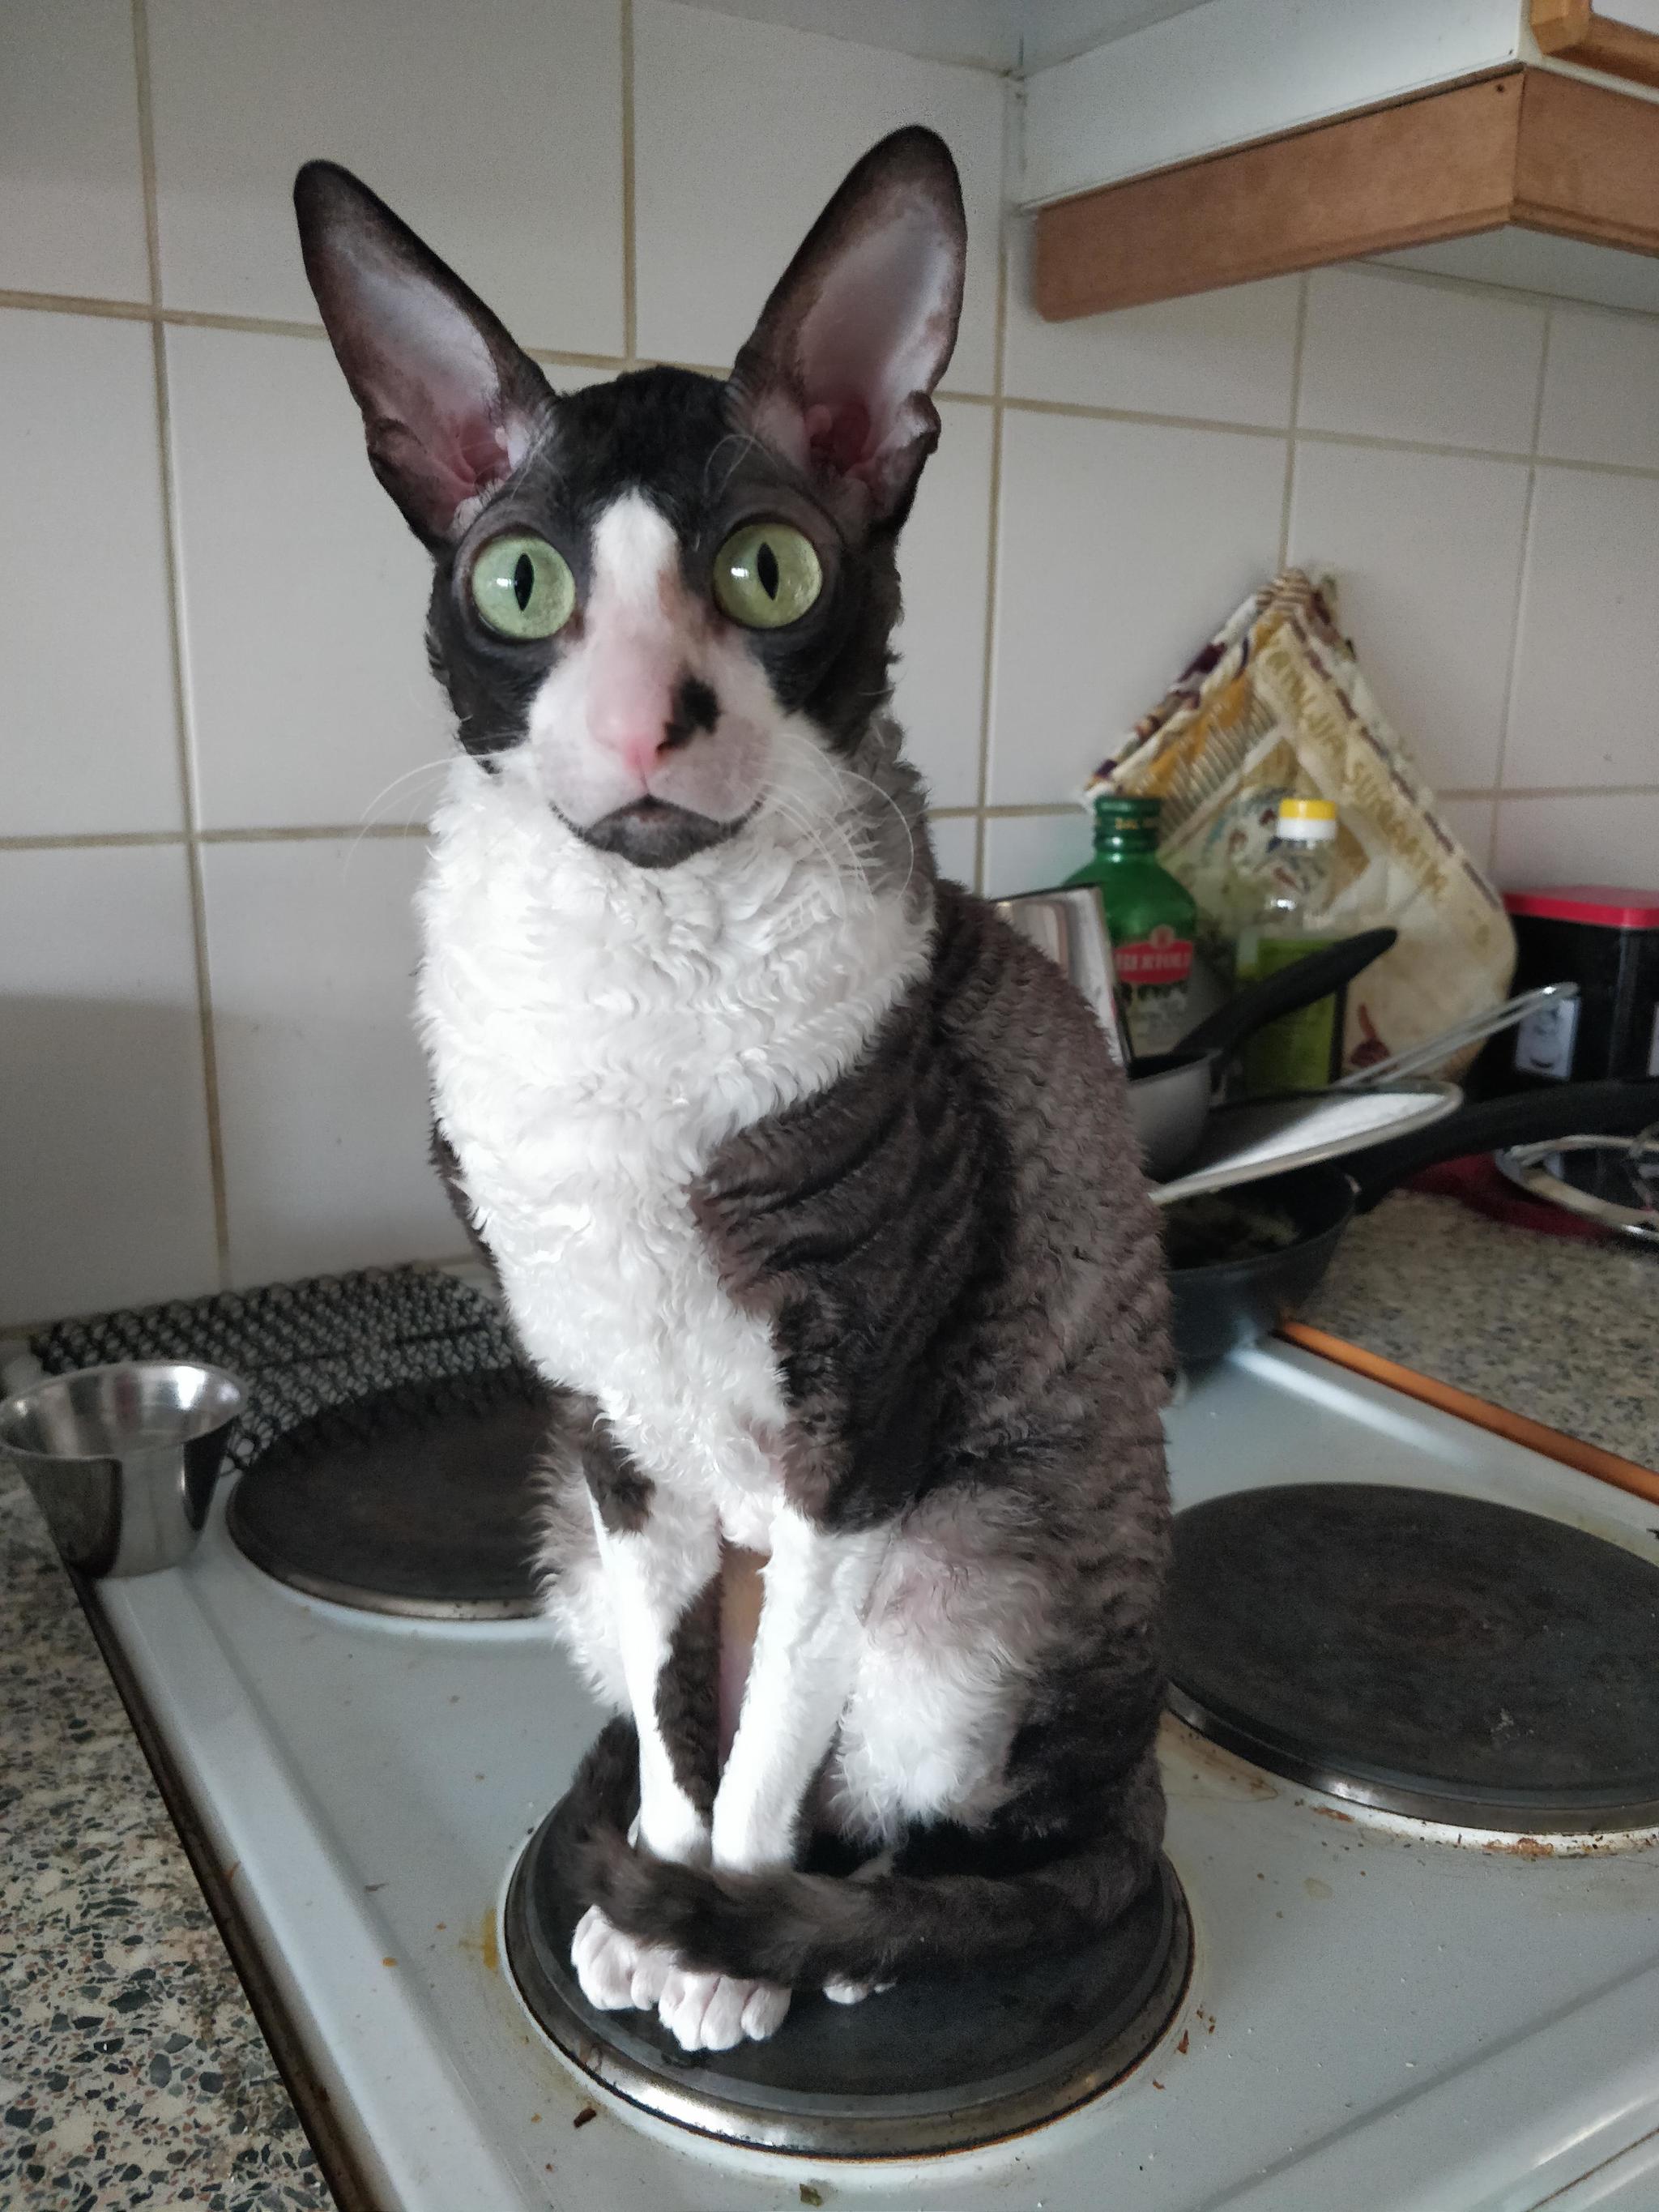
x: 695, y: 707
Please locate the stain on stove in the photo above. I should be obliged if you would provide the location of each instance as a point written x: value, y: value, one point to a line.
x: 811, y: 2194
x: 1332, y: 1813
x: 1315, y: 1887
x: 1186, y: 2042
x: 1519, y: 1847
x: 581, y: 2118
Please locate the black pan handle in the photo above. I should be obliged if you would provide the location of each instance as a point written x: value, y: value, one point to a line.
x: 1302, y: 983
x: 1528, y: 1117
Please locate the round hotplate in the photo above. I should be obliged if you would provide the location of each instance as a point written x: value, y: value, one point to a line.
x: 935, y: 2063
x: 417, y: 1500
x: 1426, y: 1653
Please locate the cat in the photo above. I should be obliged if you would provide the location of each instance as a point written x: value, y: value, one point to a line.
x: 809, y: 1184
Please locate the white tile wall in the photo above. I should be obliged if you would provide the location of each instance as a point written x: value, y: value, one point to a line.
x: 1595, y: 839
x: 1108, y: 491
x: 1427, y: 549
x: 741, y: 133
x: 93, y: 743
x: 322, y: 1093
x: 955, y: 846
x: 945, y: 552
x: 493, y: 128
x: 303, y: 594
x: 1029, y: 851
x: 1219, y: 357
x: 106, y: 1195
x: 1587, y: 670
x: 1121, y: 546
x: 1598, y: 392
x: 1392, y: 357
x: 71, y: 195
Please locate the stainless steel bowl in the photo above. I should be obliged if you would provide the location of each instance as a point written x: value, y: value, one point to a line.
x: 122, y: 1460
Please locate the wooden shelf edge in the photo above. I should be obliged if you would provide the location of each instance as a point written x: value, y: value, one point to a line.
x: 1571, y: 31
x: 1533, y: 147
x: 1550, y: 1443
x: 1439, y: 165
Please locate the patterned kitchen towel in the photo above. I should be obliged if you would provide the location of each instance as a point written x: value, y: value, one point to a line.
x: 1276, y: 707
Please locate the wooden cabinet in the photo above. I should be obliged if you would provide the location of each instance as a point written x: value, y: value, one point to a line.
x: 1393, y: 125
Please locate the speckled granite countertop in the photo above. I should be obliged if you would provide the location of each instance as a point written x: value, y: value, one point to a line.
x: 1564, y: 1330
x: 132, y: 2069
x: 132, y: 2072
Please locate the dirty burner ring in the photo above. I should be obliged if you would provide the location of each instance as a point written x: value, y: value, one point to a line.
x: 416, y: 1501
x: 1422, y: 1652
x: 937, y: 2064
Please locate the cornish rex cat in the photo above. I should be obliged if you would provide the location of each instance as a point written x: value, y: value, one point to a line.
x: 809, y: 1184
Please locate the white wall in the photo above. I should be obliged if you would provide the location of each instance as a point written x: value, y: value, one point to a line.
x: 217, y: 725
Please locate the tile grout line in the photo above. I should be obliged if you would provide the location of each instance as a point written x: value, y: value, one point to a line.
x: 1040, y: 809
x: 630, y: 287
x: 173, y: 555
x: 1298, y: 345
x: 272, y: 327
x: 1507, y: 709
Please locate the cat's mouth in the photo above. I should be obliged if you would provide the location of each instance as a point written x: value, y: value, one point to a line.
x: 654, y: 833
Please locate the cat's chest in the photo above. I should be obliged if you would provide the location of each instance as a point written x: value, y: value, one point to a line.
x: 594, y: 1043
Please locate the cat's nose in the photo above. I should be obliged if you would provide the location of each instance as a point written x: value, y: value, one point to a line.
x: 641, y: 709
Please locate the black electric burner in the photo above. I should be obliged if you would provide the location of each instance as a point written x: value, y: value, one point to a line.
x: 935, y: 2063
x: 416, y: 1500
x: 1422, y: 1652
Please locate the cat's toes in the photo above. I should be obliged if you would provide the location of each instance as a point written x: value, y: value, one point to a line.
x: 615, y: 1969
x: 853, y: 1992
x: 713, y: 2012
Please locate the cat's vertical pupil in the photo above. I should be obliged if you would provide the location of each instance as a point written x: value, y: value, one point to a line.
x: 524, y: 580
x: 766, y: 568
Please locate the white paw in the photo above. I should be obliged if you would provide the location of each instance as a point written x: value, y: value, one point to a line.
x: 712, y: 2012
x: 616, y: 1971
x: 853, y: 1992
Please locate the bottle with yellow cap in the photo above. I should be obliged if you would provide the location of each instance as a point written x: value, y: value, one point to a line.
x: 1301, y: 1051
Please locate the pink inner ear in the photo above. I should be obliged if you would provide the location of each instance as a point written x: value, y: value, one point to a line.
x: 433, y: 389
x: 838, y: 436
x: 878, y: 333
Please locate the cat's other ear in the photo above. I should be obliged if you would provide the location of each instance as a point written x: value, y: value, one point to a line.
x: 449, y: 404
x: 838, y: 374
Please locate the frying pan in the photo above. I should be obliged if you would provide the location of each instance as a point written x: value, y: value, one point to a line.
x: 1170, y: 1092
x: 1221, y: 1305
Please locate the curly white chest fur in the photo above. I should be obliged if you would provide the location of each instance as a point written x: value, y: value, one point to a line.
x: 596, y: 1032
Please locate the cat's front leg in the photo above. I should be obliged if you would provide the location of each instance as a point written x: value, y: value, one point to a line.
x: 817, y: 1583
x: 816, y: 1587
x: 660, y: 1555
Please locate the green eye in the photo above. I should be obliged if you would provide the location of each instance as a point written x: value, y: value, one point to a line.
x: 522, y: 587
x: 766, y: 575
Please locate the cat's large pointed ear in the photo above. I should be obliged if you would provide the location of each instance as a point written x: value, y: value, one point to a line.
x: 838, y: 374
x: 449, y: 404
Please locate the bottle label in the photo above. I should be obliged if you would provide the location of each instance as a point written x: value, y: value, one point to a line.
x: 1154, y: 976
x: 1160, y: 956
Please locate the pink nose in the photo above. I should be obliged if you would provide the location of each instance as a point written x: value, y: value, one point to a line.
x: 630, y: 705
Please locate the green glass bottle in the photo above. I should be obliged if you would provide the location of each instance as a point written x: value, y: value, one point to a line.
x: 1152, y: 919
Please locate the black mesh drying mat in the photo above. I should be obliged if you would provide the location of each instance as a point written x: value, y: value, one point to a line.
x: 305, y: 1349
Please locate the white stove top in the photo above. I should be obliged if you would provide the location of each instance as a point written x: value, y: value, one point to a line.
x: 1381, y: 2014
